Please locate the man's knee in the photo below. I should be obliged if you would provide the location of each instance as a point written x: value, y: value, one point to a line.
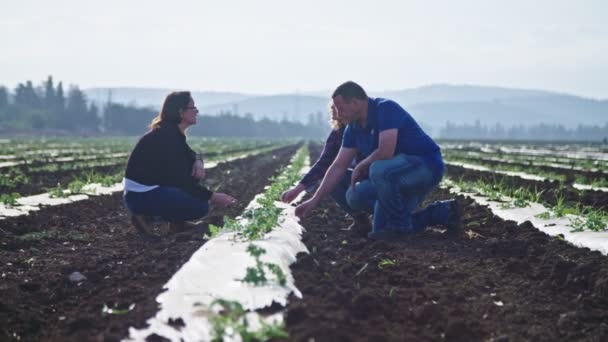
x: 377, y: 171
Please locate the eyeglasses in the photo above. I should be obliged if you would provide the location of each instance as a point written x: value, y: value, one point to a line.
x: 194, y: 107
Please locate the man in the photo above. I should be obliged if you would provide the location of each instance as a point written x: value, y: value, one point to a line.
x: 402, y: 165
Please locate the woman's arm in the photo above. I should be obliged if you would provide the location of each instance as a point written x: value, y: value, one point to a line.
x: 327, y: 157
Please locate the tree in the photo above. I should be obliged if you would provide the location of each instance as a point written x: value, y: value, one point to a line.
x: 22, y: 98
x: 49, y: 94
x: 3, y: 97
x: 76, y: 110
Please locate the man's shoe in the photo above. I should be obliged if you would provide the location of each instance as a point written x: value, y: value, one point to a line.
x: 143, y: 228
x: 455, y: 218
x: 361, y: 225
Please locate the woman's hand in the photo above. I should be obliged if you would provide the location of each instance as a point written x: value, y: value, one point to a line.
x: 291, y: 194
x: 222, y: 200
x: 198, y: 169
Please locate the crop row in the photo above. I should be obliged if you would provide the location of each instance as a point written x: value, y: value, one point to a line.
x: 581, y: 217
x: 594, y: 179
x: 86, y: 172
x: 251, y: 271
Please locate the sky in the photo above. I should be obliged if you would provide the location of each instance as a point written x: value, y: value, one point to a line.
x: 273, y: 46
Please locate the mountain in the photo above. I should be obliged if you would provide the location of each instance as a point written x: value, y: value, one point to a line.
x: 154, y: 97
x: 432, y: 105
x: 275, y: 107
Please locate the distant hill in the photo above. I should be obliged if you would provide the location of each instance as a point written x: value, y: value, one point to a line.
x: 431, y: 105
x: 275, y: 107
x: 154, y: 97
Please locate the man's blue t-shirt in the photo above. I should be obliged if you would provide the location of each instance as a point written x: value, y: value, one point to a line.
x: 384, y: 114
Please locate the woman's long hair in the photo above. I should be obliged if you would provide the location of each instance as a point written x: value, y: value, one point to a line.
x: 174, y: 104
x: 335, y: 124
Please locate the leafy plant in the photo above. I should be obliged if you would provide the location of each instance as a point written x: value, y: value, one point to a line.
x: 10, y: 199
x: 76, y: 186
x: 257, y: 275
x: 57, y: 191
x: 261, y: 220
x: 231, y: 319
x: 386, y: 263
x: 593, y: 220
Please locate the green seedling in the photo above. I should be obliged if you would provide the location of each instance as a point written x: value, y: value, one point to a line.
x: 57, y: 191
x: 386, y: 263
x: 257, y: 275
x: 10, y: 199
x: 593, y: 220
x: 231, y: 320
x: 544, y: 216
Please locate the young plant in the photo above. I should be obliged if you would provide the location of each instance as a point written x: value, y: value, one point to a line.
x: 593, y: 220
x: 386, y: 263
x: 57, y: 191
x: 231, y: 320
x: 257, y: 275
x: 10, y: 199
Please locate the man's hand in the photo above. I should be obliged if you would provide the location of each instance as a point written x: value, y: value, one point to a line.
x: 198, y: 169
x: 291, y: 194
x: 222, y: 200
x: 304, y: 209
x: 359, y: 173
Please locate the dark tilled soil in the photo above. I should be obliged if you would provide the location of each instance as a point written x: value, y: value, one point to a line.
x: 552, y: 189
x: 94, y: 237
x: 499, y: 282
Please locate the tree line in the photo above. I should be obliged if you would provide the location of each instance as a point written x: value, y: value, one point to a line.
x: 541, y: 131
x: 47, y: 106
x: 48, y: 109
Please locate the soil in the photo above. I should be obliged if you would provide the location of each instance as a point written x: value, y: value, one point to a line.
x: 499, y: 282
x: 552, y: 189
x: 40, y: 251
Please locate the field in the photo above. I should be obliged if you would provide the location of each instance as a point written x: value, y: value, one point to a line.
x: 500, y: 280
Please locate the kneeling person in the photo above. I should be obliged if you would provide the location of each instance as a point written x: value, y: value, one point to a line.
x: 402, y: 162
x: 163, y: 172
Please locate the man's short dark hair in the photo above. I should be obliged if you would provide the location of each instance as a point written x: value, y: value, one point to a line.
x: 350, y: 90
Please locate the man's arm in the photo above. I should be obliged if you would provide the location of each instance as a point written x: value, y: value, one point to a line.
x: 387, y: 141
x: 332, y: 177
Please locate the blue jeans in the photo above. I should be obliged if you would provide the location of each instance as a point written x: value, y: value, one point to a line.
x: 171, y: 204
x: 393, y: 191
x: 339, y: 192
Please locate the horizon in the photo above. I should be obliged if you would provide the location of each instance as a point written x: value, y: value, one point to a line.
x: 308, y: 92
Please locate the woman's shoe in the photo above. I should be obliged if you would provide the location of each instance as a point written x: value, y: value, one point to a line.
x: 143, y: 228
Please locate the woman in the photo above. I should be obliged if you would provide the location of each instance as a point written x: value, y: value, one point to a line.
x: 361, y: 223
x: 163, y: 173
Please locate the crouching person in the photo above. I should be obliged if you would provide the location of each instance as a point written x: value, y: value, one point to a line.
x: 403, y: 165
x: 163, y: 172
x: 361, y: 224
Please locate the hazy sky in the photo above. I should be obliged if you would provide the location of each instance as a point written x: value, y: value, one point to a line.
x: 264, y: 46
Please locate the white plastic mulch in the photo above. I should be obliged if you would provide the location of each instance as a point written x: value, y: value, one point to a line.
x: 522, y: 175
x: 213, y: 272
x: 597, y: 241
